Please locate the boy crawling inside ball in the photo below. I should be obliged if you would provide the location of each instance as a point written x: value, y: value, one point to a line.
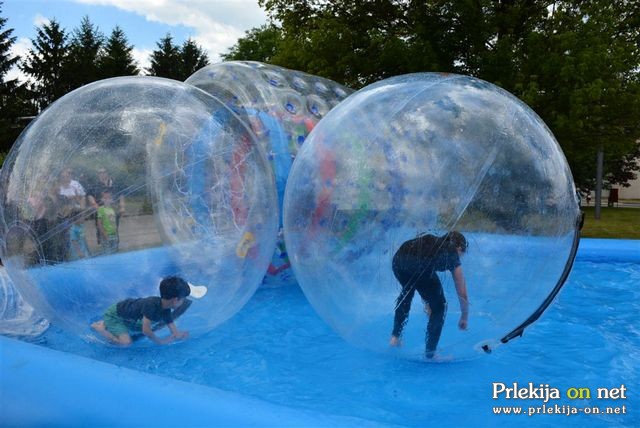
x: 135, y: 315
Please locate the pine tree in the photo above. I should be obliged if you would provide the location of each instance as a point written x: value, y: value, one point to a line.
x: 193, y: 59
x: 12, y: 99
x: 166, y: 60
x: 116, y: 58
x: 45, y: 64
x: 6, y: 62
x: 81, y: 66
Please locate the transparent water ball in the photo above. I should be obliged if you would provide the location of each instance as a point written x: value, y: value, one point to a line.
x: 430, y: 154
x: 281, y: 106
x: 128, y: 180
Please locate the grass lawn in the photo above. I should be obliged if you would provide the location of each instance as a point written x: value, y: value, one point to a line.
x: 618, y: 223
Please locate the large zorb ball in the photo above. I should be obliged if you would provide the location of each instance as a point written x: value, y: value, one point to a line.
x: 188, y: 192
x: 281, y: 107
x: 430, y: 154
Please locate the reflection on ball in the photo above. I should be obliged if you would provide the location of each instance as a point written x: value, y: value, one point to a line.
x: 125, y: 181
x: 429, y: 154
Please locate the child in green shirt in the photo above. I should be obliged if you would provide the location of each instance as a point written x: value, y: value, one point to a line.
x: 107, y: 226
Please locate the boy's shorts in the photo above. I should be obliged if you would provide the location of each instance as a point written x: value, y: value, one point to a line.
x: 116, y: 325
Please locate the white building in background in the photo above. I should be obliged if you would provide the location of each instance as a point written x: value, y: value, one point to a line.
x: 632, y: 192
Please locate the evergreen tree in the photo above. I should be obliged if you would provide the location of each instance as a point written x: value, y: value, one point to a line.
x: 116, y: 58
x: 6, y: 61
x: 166, y: 60
x: 193, y: 59
x: 13, y: 98
x: 81, y: 66
x: 45, y: 62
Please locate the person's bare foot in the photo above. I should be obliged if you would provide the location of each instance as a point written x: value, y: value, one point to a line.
x: 395, y: 341
x: 438, y: 358
x: 98, y: 326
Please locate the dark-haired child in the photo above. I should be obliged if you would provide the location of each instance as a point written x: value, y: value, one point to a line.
x: 135, y: 315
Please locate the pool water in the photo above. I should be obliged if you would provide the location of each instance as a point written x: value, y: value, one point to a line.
x: 278, y: 350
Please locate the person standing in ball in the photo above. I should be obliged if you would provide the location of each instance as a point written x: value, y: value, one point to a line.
x: 415, y: 265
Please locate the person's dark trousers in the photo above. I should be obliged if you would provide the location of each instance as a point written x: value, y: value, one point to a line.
x: 414, y: 275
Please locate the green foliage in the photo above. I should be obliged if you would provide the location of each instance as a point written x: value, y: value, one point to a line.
x: 45, y: 64
x: 165, y: 61
x: 16, y: 112
x: 7, y: 88
x: 116, y: 58
x: 175, y: 62
x: 57, y: 66
x: 6, y: 61
x: 81, y: 66
x: 193, y: 58
x: 582, y: 74
x: 258, y: 44
x: 353, y: 42
x: 14, y: 98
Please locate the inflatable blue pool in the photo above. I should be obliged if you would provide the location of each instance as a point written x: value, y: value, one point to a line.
x: 277, y: 364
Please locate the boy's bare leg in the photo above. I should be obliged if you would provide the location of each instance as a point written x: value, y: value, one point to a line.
x: 100, y: 328
x: 123, y: 339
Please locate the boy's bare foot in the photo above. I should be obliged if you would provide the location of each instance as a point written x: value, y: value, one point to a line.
x: 395, y: 341
x: 98, y: 326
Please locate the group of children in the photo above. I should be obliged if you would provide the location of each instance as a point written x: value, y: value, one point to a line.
x: 105, y: 220
x: 107, y: 230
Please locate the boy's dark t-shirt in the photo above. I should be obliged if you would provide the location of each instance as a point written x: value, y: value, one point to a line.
x: 133, y: 310
x: 430, y: 252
